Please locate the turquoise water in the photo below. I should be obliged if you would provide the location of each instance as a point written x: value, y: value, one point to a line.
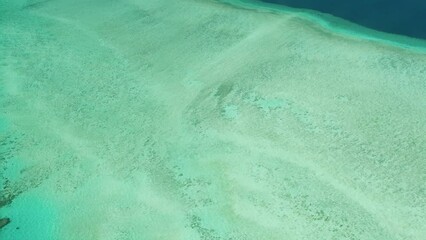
x: 32, y: 218
x: 197, y: 119
x: 397, y: 17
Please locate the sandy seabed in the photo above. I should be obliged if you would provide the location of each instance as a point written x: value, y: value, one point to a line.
x: 195, y: 119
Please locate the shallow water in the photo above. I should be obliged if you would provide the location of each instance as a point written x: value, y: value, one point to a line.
x: 195, y: 119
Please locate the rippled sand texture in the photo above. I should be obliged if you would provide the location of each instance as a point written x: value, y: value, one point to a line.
x: 191, y: 119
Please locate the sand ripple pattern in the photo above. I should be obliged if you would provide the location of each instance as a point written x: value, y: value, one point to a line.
x: 194, y: 119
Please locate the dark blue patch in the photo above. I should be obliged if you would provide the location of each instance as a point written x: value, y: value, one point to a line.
x: 404, y: 17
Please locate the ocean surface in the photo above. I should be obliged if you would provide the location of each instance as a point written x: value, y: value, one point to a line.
x: 392, y: 16
x: 206, y: 120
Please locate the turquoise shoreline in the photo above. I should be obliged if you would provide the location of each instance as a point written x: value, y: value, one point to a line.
x: 335, y: 25
x: 213, y: 138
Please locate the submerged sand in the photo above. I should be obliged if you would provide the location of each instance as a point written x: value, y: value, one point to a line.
x: 196, y: 119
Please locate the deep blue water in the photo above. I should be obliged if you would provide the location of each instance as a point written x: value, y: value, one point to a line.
x: 404, y: 17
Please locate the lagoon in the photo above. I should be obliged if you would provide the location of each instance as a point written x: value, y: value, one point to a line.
x: 196, y: 119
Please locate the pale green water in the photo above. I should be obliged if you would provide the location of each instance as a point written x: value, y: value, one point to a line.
x: 194, y: 119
